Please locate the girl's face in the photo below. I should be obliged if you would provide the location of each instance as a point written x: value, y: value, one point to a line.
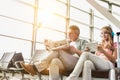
x: 72, y: 35
x: 105, y: 35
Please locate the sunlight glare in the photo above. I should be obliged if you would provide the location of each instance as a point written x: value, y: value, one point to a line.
x: 45, y: 18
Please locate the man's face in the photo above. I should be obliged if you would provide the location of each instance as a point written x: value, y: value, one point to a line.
x: 72, y: 35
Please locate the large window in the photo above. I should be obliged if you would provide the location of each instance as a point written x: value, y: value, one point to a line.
x: 116, y: 12
x: 16, y: 27
x: 24, y: 23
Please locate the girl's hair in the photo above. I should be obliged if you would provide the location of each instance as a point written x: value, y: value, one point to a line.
x: 110, y: 44
x: 75, y: 28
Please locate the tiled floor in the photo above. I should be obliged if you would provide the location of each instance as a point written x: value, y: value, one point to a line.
x: 29, y: 77
x: 19, y: 77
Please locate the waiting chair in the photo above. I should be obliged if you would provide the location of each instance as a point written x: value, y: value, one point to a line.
x: 10, y: 62
x: 17, y: 58
x: 41, y: 54
x: 5, y: 63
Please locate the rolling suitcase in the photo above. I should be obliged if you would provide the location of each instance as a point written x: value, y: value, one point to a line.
x: 117, y: 70
x: 115, y: 73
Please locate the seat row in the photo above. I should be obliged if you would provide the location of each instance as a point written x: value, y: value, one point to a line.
x: 9, y: 62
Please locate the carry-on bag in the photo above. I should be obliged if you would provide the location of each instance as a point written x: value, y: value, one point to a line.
x: 115, y: 73
x: 117, y: 69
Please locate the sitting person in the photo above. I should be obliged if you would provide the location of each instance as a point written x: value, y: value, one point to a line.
x: 61, y: 59
x: 104, y: 58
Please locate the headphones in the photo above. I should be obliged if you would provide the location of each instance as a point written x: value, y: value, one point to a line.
x: 112, y: 34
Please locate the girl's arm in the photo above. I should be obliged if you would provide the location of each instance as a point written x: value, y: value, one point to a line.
x: 112, y: 57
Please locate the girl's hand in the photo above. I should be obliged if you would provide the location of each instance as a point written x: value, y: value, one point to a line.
x: 100, y: 49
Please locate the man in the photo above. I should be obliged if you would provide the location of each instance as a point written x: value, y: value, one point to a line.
x: 62, y: 58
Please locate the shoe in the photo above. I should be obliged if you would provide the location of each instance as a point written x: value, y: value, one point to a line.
x: 28, y: 68
x: 42, y: 66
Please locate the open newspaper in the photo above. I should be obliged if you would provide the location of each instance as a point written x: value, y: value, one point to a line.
x: 53, y: 44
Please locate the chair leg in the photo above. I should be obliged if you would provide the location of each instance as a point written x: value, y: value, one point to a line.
x: 112, y: 74
x: 22, y: 74
x: 23, y: 78
x: 61, y: 76
x: 13, y: 73
x: 39, y: 75
x: 4, y: 77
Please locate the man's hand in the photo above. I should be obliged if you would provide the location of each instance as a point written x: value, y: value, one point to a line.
x: 87, y: 49
x: 73, y: 49
x: 55, y: 45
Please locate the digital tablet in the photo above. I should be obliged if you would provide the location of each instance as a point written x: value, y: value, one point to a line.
x: 92, y: 46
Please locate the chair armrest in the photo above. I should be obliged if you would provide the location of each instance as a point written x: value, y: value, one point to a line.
x: 118, y: 33
x: 17, y: 64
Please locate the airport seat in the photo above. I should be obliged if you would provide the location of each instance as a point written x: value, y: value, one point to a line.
x: 5, y: 63
x: 9, y: 64
x: 95, y: 74
x: 17, y: 58
x: 41, y: 54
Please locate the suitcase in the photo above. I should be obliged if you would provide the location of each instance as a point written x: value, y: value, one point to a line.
x: 118, y: 50
x: 115, y: 73
x: 117, y: 70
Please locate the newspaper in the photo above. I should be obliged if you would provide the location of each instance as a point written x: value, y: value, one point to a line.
x: 53, y: 44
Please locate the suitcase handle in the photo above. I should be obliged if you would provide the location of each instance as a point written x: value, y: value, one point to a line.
x: 118, y: 33
x: 118, y: 51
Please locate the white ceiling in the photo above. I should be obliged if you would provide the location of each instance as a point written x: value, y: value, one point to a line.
x: 114, y: 1
x: 106, y: 14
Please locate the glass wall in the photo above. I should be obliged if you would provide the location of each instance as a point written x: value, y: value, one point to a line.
x: 16, y: 25
x: 24, y: 24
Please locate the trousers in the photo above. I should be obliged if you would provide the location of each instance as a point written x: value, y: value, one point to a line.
x: 58, y: 62
x: 88, y: 62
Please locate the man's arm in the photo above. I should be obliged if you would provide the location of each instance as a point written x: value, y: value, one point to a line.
x: 74, y: 50
x: 62, y: 47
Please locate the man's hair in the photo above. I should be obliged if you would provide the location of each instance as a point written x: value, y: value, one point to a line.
x: 75, y: 28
